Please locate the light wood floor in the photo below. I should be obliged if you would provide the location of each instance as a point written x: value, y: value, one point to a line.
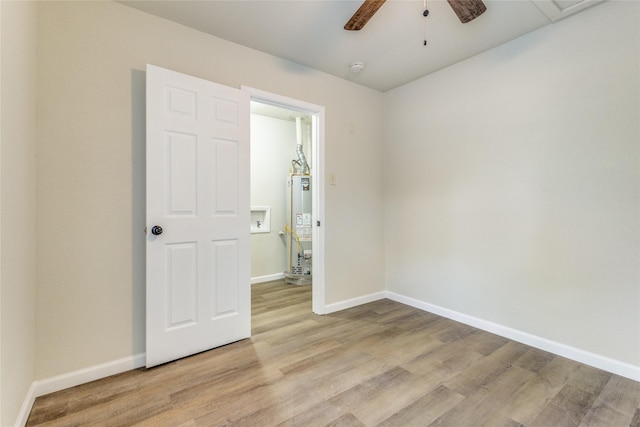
x: 380, y: 364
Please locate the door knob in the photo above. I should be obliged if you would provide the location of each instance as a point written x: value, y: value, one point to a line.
x: 156, y: 230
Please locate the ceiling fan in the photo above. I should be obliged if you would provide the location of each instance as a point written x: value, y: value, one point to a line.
x: 467, y: 10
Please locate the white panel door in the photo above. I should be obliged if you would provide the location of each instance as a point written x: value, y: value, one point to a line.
x: 198, y: 267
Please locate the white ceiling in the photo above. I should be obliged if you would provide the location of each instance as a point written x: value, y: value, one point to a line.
x: 310, y: 32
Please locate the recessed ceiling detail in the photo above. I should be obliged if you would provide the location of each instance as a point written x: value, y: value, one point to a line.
x: 558, y: 9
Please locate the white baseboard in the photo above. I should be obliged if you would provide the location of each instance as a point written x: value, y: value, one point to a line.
x: 353, y: 302
x: 72, y: 379
x: 597, y: 361
x: 25, y: 410
x: 267, y: 278
x: 92, y: 373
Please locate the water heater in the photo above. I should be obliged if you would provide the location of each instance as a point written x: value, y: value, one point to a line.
x: 299, y: 226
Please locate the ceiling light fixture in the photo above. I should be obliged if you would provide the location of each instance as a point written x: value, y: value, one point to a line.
x: 356, y: 67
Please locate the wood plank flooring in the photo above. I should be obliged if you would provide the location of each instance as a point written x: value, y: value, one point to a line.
x: 380, y: 364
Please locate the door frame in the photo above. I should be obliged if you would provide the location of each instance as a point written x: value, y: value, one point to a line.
x: 317, y: 166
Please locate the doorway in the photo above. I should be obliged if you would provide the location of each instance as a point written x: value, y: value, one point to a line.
x: 310, y: 118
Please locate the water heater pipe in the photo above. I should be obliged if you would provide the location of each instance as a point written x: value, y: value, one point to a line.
x: 304, y: 166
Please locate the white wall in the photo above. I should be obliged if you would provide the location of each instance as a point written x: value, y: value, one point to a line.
x: 18, y: 201
x: 512, y: 184
x: 273, y: 146
x: 92, y: 55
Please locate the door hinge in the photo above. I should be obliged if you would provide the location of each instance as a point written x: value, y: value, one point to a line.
x: 318, y: 223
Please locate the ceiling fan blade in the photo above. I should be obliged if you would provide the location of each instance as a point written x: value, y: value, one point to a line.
x: 467, y: 10
x: 363, y: 14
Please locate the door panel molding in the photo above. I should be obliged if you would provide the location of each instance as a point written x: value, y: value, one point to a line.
x: 197, y: 189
